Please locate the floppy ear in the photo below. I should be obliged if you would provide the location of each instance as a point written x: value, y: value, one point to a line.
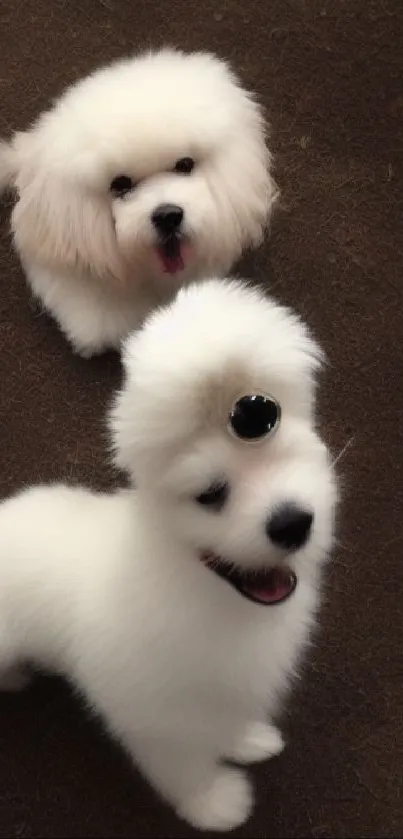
x: 61, y: 225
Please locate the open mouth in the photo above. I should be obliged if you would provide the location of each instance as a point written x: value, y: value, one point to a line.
x: 268, y: 587
x: 171, y: 252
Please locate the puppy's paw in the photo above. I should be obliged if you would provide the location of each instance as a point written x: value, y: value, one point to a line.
x: 224, y: 805
x: 259, y: 742
x: 14, y: 679
x: 89, y: 350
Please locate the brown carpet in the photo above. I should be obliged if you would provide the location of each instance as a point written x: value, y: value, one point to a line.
x: 330, y: 74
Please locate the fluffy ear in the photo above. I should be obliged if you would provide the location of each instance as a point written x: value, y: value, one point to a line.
x: 60, y: 224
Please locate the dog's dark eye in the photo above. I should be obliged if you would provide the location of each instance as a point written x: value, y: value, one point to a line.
x: 214, y: 497
x: 184, y: 166
x: 121, y: 185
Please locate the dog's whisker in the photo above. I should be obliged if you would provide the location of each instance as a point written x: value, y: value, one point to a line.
x: 343, y: 451
x: 342, y: 545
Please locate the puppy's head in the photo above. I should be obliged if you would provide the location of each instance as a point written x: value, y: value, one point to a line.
x: 154, y: 167
x: 215, y: 424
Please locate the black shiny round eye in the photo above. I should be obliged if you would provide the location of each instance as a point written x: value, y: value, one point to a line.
x: 121, y: 185
x: 214, y: 497
x: 254, y: 417
x: 184, y: 166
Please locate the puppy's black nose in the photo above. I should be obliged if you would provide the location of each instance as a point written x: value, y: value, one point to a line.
x: 289, y: 526
x: 167, y: 218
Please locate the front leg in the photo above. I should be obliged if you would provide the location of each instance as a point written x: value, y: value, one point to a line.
x: 258, y: 742
x: 94, y: 324
x: 94, y: 316
x: 204, y: 793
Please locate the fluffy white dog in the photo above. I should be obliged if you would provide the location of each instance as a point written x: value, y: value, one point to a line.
x: 180, y: 608
x: 150, y: 172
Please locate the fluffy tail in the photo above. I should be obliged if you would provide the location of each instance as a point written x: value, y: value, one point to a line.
x: 8, y: 165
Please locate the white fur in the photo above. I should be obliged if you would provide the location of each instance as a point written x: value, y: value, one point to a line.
x: 109, y: 589
x: 90, y: 258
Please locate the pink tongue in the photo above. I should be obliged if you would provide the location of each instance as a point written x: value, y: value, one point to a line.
x: 171, y: 264
x: 276, y: 587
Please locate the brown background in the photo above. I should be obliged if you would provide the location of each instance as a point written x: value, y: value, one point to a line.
x: 330, y: 74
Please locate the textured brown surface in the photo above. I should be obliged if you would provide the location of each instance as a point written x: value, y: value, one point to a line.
x: 330, y: 74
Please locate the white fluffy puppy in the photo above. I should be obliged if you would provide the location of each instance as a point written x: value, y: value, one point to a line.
x: 180, y: 608
x: 150, y: 172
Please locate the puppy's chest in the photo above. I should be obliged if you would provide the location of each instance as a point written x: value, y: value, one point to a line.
x: 179, y: 652
x: 203, y: 658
